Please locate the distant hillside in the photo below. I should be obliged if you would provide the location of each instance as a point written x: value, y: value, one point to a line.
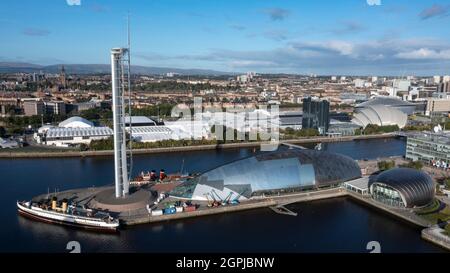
x: 9, y: 67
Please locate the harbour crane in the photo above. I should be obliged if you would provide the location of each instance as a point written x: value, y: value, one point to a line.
x: 227, y: 199
x: 210, y: 202
x: 218, y: 196
x: 214, y: 202
x: 217, y: 201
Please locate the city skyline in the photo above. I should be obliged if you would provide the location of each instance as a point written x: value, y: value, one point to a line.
x: 358, y: 37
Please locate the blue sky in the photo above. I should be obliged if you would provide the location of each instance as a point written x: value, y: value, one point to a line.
x: 396, y: 37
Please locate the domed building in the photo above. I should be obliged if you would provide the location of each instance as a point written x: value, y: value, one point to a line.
x: 270, y: 173
x: 380, y: 115
x: 402, y: 187
x: 76, y: 122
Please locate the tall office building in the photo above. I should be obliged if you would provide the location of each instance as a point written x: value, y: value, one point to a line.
x: 55, y: 108
x: 436, y: 79
x: 444, y: 87
x: 33, y: 108
x: 316, y: 115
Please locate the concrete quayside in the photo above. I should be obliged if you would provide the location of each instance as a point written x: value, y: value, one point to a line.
x: 136, y: 212
x: 138, y: 206
x: 48, y: 153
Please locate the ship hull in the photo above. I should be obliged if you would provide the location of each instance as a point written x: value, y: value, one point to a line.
x: 48, y: 220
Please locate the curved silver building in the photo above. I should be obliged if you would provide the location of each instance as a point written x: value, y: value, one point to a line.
x: 402, y: 187
x: 380, y: 115
x: 404, y: 106
x: 270, y: 173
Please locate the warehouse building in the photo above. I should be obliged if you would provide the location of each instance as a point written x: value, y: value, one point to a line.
x: 71, y: 132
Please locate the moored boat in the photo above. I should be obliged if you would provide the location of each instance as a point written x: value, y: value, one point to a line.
x: 68, y: 215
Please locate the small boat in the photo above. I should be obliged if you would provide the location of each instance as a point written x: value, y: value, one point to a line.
x: 69, y: 215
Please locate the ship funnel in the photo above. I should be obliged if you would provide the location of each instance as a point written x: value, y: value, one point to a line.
x: 162, y: 175
x: 54, y: 200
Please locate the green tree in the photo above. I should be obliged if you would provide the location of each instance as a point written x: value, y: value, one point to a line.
x: 413, y: 165
x: 386, y: 165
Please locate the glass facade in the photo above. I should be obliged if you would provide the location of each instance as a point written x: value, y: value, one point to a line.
x: 316, y: 115
x: 402, y: 187
x: 281, y: 171
x: 428, y: 147
x: 387, y: 195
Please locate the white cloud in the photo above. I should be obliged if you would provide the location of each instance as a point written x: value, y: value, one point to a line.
x: 344, y: 48
x: 374, y: 2
x: 73, y: 2
x: 250, y: 63
x: 421, y: 56
x: 424, y: 54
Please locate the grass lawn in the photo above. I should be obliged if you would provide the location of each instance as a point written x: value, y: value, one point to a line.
x: 435, y: 211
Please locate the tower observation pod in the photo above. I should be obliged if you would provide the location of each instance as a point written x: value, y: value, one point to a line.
x: 120, y: 84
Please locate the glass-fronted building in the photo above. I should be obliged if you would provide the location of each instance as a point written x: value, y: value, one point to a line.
x: 271, y: 173
x: 316, y: 115
x: 430, y: 148
x: 402, y: 187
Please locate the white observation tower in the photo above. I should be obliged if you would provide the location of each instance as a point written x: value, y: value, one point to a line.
x: 120, y: 77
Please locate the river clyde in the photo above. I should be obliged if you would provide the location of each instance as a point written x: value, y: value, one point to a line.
x: 337, y: 225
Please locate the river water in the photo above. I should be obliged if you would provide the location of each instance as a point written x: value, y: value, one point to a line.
x: 337, y: 225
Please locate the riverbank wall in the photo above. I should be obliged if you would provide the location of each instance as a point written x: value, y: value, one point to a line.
x: 435, y: 235
x: 401, y: 214
x: 51, y: 154
x: 130, y: 221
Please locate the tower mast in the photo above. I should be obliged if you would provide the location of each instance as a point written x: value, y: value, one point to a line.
x: 121, y: 86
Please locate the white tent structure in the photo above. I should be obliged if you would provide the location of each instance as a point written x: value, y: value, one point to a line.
x: 76, y: 122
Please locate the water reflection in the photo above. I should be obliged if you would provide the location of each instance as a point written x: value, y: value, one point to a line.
x: 335, y: 225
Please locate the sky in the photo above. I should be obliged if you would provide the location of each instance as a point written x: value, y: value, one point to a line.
x: 324, y: 37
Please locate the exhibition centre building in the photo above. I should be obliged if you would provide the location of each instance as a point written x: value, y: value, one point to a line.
x: 270, y: 173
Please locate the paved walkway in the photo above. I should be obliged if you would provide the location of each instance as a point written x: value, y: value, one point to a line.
x: 405, y: 214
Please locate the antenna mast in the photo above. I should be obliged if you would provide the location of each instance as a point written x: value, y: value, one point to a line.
x: 130, y: 143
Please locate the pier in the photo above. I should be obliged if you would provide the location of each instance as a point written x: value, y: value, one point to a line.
x: 283, y: 210
x: 436, y: 236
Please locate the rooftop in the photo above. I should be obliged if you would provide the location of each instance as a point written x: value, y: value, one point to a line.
x: 76, y: 120
x: 139, y: 120
x: 79, y: 132
x: 443, y: 138
x: 385, y: 100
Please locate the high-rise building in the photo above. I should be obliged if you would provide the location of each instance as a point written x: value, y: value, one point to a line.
x: 33, y: 108
x: 444, y: 87
x: 401, y: 85
x: 436, y: 79
x: 316, y: 115
x: 55, y: 108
